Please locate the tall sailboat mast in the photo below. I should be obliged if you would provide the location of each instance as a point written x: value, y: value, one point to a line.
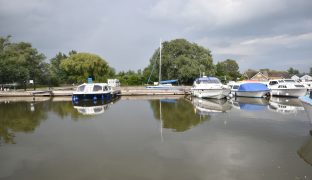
x: 159, y: 78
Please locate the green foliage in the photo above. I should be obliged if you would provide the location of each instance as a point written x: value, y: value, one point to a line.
x: 229, y: 69
x: 181, y: 60
x: 78, y: 67
x: 130, y: 78
x: 179, y: 116
x: 293, y: 71
x: 310, y: 73
x: 20, y: 62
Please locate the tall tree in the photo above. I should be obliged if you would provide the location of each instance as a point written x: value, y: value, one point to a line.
x: 20, y: 62
x: 293, y: 71
x: 181, y: 60
x: 78, y: 67
x: 229, y: 69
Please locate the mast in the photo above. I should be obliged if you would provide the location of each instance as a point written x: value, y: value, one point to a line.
x: 159, y: 78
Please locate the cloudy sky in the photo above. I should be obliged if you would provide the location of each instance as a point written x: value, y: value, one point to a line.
x: 274, y: 34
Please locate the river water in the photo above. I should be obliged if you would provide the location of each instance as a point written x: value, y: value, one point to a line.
x: 159, y: 138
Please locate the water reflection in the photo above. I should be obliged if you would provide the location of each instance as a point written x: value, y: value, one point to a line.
x: 92, y: 107
x: 208, y: 106
x: 176, y: 114
x: 285, y: 105
x: 249, y: 104
x: 305, y: 152
x: 25, y: 115
x: 20, y: 117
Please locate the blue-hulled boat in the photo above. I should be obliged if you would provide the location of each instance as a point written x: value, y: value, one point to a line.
x: 93, y: 91
x: 252, y: 90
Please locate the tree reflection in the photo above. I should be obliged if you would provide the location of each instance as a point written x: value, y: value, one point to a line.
x: 305, y: 152
x: 19, y: 117
x: 179, y: 115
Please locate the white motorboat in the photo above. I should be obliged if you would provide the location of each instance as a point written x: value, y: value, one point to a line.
x: 286, y: 87
x: 93, y: 91
x: 209, y: 87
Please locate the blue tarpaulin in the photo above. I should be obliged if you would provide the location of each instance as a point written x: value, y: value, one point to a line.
x: 168, y: 81
x: 253, y: 87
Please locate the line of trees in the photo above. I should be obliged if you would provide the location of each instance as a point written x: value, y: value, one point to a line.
x: 182, y: 60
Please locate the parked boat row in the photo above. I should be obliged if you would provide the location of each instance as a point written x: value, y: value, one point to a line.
x: 211, y: 87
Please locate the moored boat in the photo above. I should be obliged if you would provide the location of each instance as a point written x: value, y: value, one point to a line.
x: 93, y: 91
x: 209, y: 87
x: 286, y: 87
x: 257, y: 90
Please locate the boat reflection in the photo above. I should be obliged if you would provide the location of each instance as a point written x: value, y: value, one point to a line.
x: 285, y: 105
x: 249, y: 104
x: 92, y: 107
x: 208, y: 106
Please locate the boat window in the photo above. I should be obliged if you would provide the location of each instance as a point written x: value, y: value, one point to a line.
x: 235, y: 87
x: 273, y: 83
x: 98, y: 109
x: 81, y: 88
x: 281, y: 81
x: 105, y: 88
x: 289, y: 81
x: 97, y: 88
x: 210, y: 81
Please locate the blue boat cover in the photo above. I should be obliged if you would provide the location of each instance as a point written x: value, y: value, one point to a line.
x: 251, y: 107
x: 168, y: 81
x: 253, y: 87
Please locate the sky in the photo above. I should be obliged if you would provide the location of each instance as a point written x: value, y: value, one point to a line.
x: 275, y: 34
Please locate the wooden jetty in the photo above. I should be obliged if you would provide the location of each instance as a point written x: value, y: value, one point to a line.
x: 121, y: 91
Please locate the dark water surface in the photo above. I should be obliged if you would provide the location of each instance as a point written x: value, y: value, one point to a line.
x: 242, y: 139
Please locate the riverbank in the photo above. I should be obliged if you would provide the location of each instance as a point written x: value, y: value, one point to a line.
x: 122, y: 91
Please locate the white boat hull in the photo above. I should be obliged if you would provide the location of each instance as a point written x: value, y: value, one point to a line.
x: 257, y: 94
x: 289, y: 92
x: 210, y: 93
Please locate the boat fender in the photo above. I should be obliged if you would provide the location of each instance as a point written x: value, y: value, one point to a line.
x: 102, y: 97
x: 94, y: 98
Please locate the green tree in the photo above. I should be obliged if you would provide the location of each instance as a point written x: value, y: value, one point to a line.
x: 57, y: 74
x: 293, y: 71
x: 181, y: 60
x: 20, y: 62
x: 229, y: 69
x: 130, y: 77
x: 310, y: 73
x: 78, y: 67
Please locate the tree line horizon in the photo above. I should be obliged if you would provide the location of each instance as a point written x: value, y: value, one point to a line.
x: 181, y: 60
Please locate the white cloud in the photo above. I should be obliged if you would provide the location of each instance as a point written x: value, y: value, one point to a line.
x: 215, y: 13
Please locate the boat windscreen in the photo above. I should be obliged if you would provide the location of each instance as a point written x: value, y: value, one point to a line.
x: 81, y: 88
x: 289, y: 81
x: 208, y: 81
x: 97, y: 88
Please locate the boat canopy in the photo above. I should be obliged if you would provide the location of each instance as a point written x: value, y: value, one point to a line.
x: 207, y: 80
x: 169, y: 81
x: 253, y: 87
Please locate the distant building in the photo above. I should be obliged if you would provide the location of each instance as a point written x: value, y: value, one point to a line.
x: 306, y: 78
x: 266, y: 76
x: 259, y: 77
x: 295, y: 77
x: 113, y: 82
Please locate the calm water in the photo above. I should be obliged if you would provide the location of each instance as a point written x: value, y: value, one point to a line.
x: 156, y: 139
